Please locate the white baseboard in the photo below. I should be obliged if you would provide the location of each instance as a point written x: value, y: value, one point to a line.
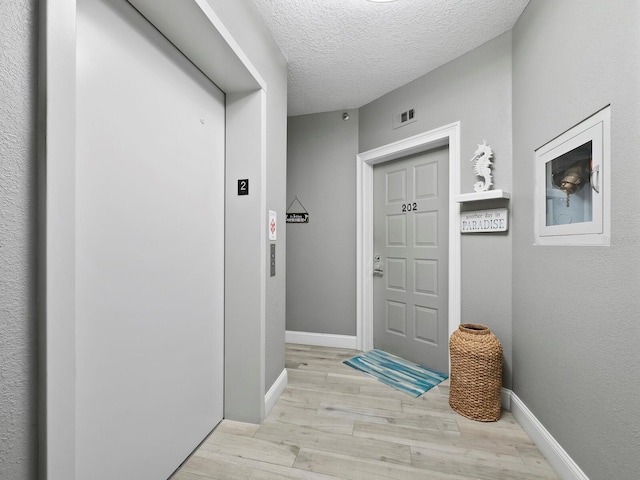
x: 275, y: 391
x: 557, y: 457
x: 321, y: 339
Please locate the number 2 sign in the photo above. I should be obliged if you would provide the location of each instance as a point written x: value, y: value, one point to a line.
x: 243, y: 186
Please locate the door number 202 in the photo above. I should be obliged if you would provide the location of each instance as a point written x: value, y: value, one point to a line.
x: 409, y: 207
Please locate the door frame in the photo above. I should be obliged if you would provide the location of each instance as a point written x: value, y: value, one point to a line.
x: 446, y: 135
x: 197, y: 31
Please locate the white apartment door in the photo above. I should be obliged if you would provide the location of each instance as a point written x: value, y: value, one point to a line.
x: 410, y: 288
x: 150, y: 248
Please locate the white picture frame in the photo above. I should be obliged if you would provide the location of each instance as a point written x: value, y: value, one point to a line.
x: 572, y: 187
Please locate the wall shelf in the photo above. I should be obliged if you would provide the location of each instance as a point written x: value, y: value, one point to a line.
x: 478, y: 196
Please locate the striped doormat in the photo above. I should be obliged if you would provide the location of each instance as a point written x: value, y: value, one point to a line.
x: 396, y: 372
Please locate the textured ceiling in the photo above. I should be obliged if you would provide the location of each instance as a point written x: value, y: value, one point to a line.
x: 345, y: 53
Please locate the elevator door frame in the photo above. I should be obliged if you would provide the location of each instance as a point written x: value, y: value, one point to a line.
x: 196, y: 30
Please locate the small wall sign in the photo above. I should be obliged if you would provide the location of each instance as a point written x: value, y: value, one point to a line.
x: 273, y: 226
x: 299, y: 215
x: 478, y: 221
x: 243, y: 186
x: 297, y: 218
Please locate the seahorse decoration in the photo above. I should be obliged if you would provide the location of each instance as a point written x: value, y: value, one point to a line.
x: 482, y: 167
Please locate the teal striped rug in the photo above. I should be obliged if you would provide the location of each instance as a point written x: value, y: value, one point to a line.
x: 396, y: 372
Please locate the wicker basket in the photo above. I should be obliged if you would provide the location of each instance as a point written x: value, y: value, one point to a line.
x: 476, y: 373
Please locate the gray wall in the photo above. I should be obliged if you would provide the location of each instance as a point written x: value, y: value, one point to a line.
x: 244, y: 22
x: 575, y: 309
x: 18, y: 333
x: 321, y: 263
x: 474, y: 89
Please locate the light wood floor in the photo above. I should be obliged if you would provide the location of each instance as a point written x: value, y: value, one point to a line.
x: 335, y: 422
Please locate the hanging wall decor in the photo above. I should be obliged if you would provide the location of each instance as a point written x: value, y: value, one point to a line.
x: 484, y: 221
x: 297, y: 215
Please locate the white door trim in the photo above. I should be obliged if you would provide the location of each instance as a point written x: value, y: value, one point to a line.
x: 446, y: 135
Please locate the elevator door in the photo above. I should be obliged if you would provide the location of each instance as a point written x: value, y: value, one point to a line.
x: 150, y: 248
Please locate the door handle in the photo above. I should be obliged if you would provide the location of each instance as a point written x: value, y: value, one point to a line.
x: 595, y: 179
x: 378, y: 271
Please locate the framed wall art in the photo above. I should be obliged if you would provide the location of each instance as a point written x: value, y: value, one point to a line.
x: 572, y: 189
